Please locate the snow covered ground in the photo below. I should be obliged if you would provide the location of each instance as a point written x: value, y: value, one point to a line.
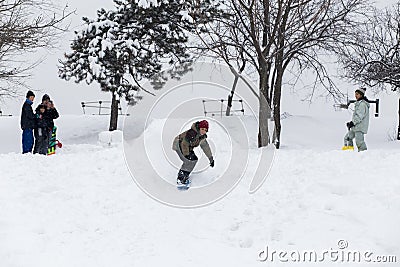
x: 81, y: 207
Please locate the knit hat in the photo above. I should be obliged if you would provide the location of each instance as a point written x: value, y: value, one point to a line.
x: 41, y: 106
x: 29, y: 94
x: 45, y: 97
x: 361, y: 90
x: 203, y: 124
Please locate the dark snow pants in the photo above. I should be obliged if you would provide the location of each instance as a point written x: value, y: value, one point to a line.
x: 27, y: 140
x: 41, y: 141
x: 187, y: 165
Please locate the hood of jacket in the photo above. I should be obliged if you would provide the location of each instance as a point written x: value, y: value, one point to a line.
x: 364, y: 100
x: 194, y: 127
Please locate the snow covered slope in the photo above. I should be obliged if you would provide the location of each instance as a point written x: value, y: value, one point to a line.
x: 81, y: 207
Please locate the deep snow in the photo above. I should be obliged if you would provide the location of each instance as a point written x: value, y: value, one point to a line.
x: 82, y: 208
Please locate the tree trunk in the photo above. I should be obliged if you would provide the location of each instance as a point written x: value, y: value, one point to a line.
x: 264, y: 100
x: 230, y: 97
x: 114, y: 113
x: 277, y: 109
x: 279, y: 67
x: 264, y: 108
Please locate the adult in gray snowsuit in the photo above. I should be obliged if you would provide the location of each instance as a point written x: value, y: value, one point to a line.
x: 185, y: 142
x: 358, y: 126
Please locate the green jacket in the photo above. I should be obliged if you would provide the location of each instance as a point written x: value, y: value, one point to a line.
x: 186, y: 145
x: 361, y: 116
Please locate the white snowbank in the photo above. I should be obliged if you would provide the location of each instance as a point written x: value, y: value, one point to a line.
x: 80, y: 207
x: 111, y: 138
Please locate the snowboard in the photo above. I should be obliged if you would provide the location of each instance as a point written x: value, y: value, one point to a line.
x: 53, y: 142
x: 184, y: 187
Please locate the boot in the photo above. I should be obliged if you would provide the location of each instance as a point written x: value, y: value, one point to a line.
x: 183, y: 177
x: 348, y: 148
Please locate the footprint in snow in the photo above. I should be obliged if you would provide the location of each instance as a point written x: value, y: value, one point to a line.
x: 248, y: 212
x: 246, y: 242
x: 49, y: 189
x: 234, y: 227
x: 329, y: 207
x: 339, y: 190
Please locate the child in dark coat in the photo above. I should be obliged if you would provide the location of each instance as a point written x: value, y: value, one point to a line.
x: 27, y: 123
x: 50, y: 113
x: 41, y: 131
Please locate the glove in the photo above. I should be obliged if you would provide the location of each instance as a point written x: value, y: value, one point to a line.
x: 212, y: 163
x: 350, y: 125
x: 59, y: 144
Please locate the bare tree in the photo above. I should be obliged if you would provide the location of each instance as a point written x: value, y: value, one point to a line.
x: 373, y: 58
x: 272, y: 36
x: 25, y: 27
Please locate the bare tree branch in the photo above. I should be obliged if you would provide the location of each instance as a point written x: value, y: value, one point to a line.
x: 25, y: 27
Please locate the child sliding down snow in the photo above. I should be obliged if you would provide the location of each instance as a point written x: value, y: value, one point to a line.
x: 185, y: 142
x: 359, y: 124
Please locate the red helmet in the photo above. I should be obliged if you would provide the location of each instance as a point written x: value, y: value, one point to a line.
x: 203, y: 124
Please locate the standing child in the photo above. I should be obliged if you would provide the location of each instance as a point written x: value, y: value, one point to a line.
x: 183, y: 145
x: 41, y: 131
x: 358, y: 126
x: 52, y: 114
x: 27, y: 123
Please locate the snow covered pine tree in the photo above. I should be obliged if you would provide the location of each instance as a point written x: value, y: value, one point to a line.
x: 132, y: 42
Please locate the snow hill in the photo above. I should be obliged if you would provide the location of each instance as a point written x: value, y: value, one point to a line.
x: 81, y: 207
